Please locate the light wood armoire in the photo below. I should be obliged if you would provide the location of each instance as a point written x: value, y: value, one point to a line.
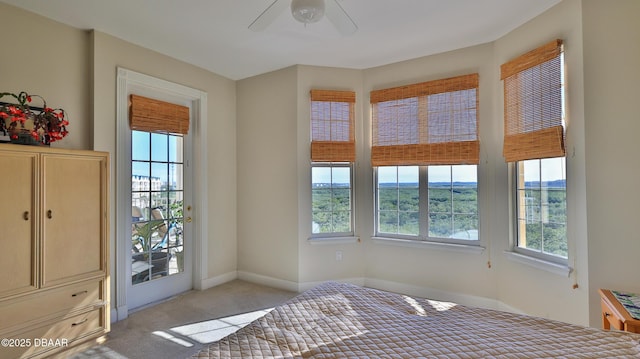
x: 54, y: 273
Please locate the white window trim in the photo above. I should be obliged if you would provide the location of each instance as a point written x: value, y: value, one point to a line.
x: 333, y: 240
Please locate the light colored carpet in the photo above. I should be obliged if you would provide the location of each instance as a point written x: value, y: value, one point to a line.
x: 183, y: 325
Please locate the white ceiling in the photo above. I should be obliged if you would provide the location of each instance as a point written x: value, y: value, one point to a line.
x: 213, y: 34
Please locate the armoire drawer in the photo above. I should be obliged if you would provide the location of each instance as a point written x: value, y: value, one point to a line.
x: 55, y: 336
x: 43, y: 304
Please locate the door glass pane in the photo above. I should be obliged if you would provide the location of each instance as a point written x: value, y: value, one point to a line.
x: 175, y: 176
x: 159, y: 174
x: 159, y: 145
x: 157, y: 241
x: 141, y: 150
x: 175, y: 142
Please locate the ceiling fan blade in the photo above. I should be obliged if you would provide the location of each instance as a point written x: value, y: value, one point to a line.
x: 269, y: 15
x: 340, y: 19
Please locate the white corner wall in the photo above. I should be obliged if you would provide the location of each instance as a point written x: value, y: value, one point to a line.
x: 611, y: 33
x: 267, y: 178
x: 536, y: 291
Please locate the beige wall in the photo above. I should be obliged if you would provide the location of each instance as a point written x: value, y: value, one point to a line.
x: 612, y: 125
x: 46, y: 58
x: 266, y: 179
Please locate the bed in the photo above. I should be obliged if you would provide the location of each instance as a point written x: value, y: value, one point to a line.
x: 337, y: 320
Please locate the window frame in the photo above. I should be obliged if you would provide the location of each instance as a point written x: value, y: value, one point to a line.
x: 331, y: 165
x: 515, y: 208
x: 423, y: 221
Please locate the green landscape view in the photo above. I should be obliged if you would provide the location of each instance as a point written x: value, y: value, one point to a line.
x: 453, y: 212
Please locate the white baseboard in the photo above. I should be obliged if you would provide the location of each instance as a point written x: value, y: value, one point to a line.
x: 268, y: 281
x: 119, y: 313
x: 217, y: 280
x: 289, y: 285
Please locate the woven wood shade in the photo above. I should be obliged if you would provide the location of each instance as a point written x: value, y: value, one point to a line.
x: 429, y: 123
x: 332, y: 126
x: 151, y: 115
x: 533, y: 104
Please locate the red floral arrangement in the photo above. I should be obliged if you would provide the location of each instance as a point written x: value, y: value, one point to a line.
x: 49, y: 124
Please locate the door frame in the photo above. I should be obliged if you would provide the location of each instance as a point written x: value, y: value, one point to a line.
x: 128, y: 82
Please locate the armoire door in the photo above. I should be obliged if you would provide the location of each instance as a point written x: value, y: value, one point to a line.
x: 18, y: 217
x: 73, y: 219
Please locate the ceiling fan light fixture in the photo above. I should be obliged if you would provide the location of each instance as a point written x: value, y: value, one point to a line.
x: 307, y: 11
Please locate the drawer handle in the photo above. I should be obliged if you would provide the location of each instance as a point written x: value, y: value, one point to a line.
x: 49, y: 214
x: 25, y: 215
x: 80, y: 322
x: 79, y: 293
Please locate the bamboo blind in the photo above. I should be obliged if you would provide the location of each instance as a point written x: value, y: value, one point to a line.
x: 429, y: 123
x: 332, y: 126
x: 151, y: 115
x: 533, y: 123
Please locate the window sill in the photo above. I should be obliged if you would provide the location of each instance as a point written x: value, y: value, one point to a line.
x: 555, y: 268
x: 465, y: 248
x: 333, y: 240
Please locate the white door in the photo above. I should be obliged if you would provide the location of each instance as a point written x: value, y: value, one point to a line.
x: 161, y: 245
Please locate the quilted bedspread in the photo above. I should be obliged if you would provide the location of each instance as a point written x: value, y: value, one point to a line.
x: 336, y: 320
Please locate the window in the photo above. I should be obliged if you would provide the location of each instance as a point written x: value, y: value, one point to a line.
x: 332, y: 158
x: 398, y: 200
x: 425, y: 154
x: 541, y: 196
x: 453, y: 202
x: 437, y: 202
x: 534, y: 142
x: 331, y: 194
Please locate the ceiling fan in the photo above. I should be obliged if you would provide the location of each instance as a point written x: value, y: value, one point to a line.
x: 307, y: 12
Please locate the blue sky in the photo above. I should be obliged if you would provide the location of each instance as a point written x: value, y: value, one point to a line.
x: 149, y: 148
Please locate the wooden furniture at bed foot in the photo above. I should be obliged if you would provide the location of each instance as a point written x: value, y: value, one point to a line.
x: 614, y: 314
x: 54, y: 282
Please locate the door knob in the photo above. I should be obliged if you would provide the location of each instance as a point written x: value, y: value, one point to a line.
x: 188, y: 219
